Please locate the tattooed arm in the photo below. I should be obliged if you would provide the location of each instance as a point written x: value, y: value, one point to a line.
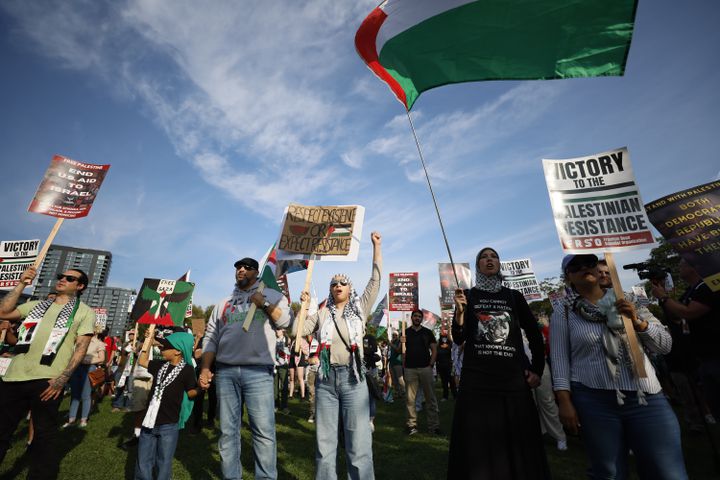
x: 57, y: 384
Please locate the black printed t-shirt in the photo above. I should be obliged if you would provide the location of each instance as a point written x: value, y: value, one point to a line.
x: 417, y: 347
x: 444, y: 351
x: 705, y: 330
x: 494, y: 359
x: 171, y: 402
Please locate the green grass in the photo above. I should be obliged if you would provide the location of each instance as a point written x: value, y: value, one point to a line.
x: 92, y: 453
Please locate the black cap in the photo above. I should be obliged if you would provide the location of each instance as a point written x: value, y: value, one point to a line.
x: 165, y: 344
x: 247, y: 261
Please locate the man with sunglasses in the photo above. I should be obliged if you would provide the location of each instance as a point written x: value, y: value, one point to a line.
x: 52, y: 341
x: 244, y: 368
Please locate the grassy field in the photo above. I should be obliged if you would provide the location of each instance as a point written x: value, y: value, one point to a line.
x: 92, y: 453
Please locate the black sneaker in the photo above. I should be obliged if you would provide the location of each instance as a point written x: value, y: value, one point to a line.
x: 411, y: 430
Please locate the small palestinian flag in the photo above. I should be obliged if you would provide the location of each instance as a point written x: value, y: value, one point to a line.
x: 340, y: 230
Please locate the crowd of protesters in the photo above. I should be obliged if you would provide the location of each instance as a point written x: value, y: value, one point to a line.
x: 511, y: 377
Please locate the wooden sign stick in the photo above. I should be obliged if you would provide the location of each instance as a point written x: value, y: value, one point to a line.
x: 635, y: 353
x: 403, y: 326
x: 304, y: 306
x: 251, y: 310
x: 2, y: 336
x: 48, y: 242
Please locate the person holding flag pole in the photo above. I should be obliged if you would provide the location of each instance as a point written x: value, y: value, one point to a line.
x: 341, y: 392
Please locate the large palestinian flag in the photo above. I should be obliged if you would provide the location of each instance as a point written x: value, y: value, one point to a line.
x: 416, y: 45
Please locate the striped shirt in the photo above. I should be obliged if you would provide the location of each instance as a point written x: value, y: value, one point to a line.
x: 578, y: 355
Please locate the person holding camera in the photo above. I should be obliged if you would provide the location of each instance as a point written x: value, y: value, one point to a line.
x: 699, y: 309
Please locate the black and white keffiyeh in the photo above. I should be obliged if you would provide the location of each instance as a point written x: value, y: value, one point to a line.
x: 29, y: 328
x: 163, y: 380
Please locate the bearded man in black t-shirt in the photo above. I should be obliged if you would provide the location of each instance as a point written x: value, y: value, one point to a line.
x: 420, y: 355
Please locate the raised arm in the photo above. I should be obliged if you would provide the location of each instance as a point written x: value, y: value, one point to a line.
x: 373, y: 286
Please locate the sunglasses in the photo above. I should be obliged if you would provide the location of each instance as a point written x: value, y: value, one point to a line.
x: 342, y: 283
x: 246, y: 267
x: 578, y: 265
x: 69, y: 278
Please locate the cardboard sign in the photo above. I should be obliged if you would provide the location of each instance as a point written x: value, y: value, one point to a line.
x: 448, y: 285
x: 403, y: 295
x: 596, y: 203
x: 15, y: 257
x: 101, y: 317
x: 198, y: 327
x: 68, y: 188
x: 162, y: 302
x: 519, y: 275
x: 690, y: 221
x: 430, y: 320
x: 321, y: 233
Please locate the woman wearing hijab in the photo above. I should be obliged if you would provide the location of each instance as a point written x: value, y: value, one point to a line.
x: 496, y: 431
x: 341, y: 394
x: 595, y: 383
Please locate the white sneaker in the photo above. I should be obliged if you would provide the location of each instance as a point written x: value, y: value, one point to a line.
x: 710, y: 419
x: 372, y: 426
x: 562, y: 445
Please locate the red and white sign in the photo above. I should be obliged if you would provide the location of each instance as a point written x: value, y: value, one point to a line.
x: 403, y: 293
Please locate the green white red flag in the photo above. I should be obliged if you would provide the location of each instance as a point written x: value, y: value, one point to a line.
x: 416, y: 45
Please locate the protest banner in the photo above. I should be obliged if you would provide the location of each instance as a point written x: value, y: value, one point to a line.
x: 597, y: 208
x: 321, y: 233
x: 101, y: 317
x: 519, y: 275
x: 162, y: 302
x: 596, y: 203
x: 690, y: 221
x: 448, y: 285
x: 15, y: 257
x: 403, y: 292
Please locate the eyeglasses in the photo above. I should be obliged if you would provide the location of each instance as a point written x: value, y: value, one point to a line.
x: 576, y: 266
x: 342, y: 283
x: 246, y: 267
x: 69, y: 278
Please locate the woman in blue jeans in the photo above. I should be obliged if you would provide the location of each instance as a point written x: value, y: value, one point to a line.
x: 341, y: 394
x: 80, y: 388
x: 597, y: 390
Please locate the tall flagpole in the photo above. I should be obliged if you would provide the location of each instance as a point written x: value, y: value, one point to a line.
x: 432, y: 193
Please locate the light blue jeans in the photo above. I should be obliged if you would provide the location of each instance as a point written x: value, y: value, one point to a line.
x: 81, y: 391
x: 651, y: 431
x: 156, y: 449
x: 339, y: 397
x: 251, y: 385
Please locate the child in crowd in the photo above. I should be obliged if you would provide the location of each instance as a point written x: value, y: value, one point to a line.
x: 174, y: 386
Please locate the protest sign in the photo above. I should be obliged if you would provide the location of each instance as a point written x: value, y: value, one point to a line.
x: 68, y: 188
x: 596, y: 203
x: 321, y: 233
x: 15, y: 257
x: 690, y: 221
x: 446, y: 318
x: 448, y: 285
x: 403, y: 292
x: 198, y: 327
x: 283, y: 284
x: 101, y: 317
x: 519, y: 275
x: 162, y: 302
x: 640, y: 295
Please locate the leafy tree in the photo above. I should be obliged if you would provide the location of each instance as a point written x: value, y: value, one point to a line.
x: 208, y: 311
x: 295, y: 307
x: 198, y: 311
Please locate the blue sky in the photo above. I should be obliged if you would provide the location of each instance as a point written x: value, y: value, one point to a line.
x: 215, y: 117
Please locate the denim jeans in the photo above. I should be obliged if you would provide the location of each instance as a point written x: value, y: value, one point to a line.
x: 156, y: 449
x: 651, y: 431
x: 339, y: 397
x: 251, y: 385
x: 81, y: 391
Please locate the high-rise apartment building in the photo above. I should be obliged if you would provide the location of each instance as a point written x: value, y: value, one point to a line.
x: 96, y: 263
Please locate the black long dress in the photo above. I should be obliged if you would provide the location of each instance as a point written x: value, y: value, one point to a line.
x: 496, y: 431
